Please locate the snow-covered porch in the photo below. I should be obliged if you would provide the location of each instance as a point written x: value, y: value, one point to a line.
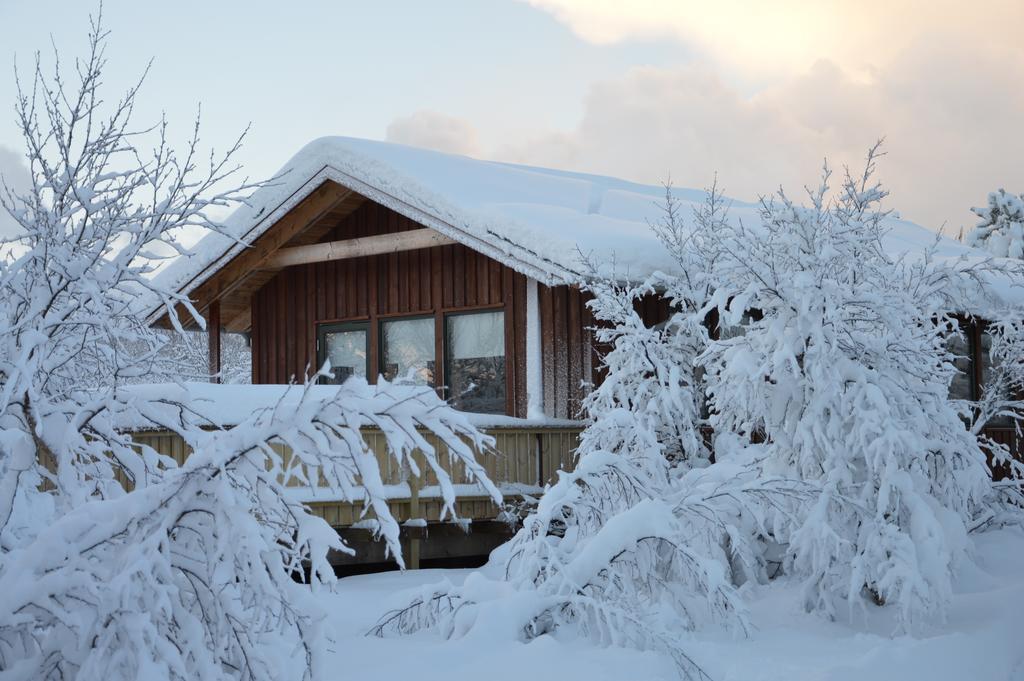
x: 526, y: 455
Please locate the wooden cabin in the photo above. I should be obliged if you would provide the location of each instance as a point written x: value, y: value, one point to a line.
x: 460, y: 273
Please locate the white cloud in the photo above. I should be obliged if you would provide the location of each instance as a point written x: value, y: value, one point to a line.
x: 949, y: 115
x: 13, y: 173
x: 790, y: 35
x: 432, y: 130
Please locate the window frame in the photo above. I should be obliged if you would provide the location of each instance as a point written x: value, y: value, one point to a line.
x: 443, y: 343
x: 385, y: 319
x: 325, y: 328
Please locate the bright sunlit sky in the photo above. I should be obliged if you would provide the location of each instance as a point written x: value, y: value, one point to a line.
x: 757, y: 92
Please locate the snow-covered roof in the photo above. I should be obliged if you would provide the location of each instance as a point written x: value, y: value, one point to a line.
x: 535, y: 220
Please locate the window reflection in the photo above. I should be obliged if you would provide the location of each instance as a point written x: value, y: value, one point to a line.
x: 345, y: 346
x: 407, y: 350
x: 962, y: 385
x: 475, y: 361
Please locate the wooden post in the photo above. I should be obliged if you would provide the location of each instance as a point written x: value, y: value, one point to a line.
x: 414, y: 512
x: 213, y: 338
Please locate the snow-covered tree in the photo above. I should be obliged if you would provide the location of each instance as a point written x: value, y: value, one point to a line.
x: 115, y: 562
x: 845, y: 373
x: 1001, y: 227
x: 184, y: 356
x: 1002, y: 403
x: 643, y: 540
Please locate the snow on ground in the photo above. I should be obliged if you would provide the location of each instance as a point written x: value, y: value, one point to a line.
x: 983, y: 640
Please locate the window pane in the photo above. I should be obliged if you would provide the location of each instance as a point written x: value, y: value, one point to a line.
x: 346, y: 348
x: 985, y: 357
x: 725, y: 332
x: 962, y: 385
x: 475, y: 348
x: 408, y: 350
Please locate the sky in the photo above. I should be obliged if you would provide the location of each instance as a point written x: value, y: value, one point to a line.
x: 756, y: 93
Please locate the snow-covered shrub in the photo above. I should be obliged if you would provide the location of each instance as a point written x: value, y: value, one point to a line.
x: 845, y: 372
x: 115, y: 562
x: 211, y: 570
x: 1001, y: 228
x: 1002, y: 403
x: 643, y: 540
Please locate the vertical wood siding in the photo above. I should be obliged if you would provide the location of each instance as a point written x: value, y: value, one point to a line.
x: 442, y: 279
x: 571, y: 358
x: 566, y: 365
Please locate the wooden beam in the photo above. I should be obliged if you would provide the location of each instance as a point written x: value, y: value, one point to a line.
x: 213, y: 340
x: 241, y: 322
x: 226, y: 279
x: 357, y: 248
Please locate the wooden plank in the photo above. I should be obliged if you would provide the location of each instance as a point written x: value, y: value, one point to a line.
x: 310, y: 320
x: 226, y: 279
x: 470, y: 298
x: 483, y: 280
x: 281, y: 361
x: 255, y: 349
x: 518, y: 295
x: 574, y: 345
x: 498, y: 292
x: 291, y: 320
x: 547, y: 346
x: 511, y: 358
x: 271, y: 337
x: 561, y: 359
x: 213, y: 341
x: 426, y: 270
x: 448, y: 272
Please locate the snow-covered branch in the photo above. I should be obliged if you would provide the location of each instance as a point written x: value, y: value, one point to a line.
x: 115, y: 561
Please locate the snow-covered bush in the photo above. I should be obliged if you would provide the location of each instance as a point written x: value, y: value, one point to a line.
x: 1001, y: 228
x: 115, y: 562
x: 1002, y: 403
x: 651, y: 398
x: 643, y: 540
x: 184, y: 356
x: 845, y: 373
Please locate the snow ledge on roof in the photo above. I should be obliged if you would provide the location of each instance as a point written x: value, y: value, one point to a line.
x: 536, y: 220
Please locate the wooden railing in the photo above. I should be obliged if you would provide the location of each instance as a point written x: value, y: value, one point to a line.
x: 525, y: 458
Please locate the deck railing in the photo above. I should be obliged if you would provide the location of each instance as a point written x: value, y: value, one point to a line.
x: 525, y: 458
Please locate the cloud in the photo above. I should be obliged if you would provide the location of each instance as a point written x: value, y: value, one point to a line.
x: 790, y: 35
x: 432, y: 130
x: 13, y: 173
x: 950, y: 122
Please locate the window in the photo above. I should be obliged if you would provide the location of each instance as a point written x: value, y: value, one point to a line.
x: 985, y: 360
x: 725, y: 331
x: 985, y: 356
x: 345, y: 345
x: 475, y: 361
x: 407, y: 349
x: 962, y: 385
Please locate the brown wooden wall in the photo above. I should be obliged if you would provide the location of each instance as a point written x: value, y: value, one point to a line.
x: 565, y: 349
x: 286, y: 311
x: 571, y: 360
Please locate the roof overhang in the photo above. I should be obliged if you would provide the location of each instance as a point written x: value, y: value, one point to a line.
x: 305, y: 217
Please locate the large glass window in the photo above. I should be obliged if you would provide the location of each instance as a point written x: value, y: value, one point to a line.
x: 345, y: 345
x: 962, y: 385
x: 475, y: 361
x: 985, y: 357
x: 407, y: 349
x: 987, y: 365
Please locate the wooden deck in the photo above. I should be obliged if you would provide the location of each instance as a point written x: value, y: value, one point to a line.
x: 525, y: 459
